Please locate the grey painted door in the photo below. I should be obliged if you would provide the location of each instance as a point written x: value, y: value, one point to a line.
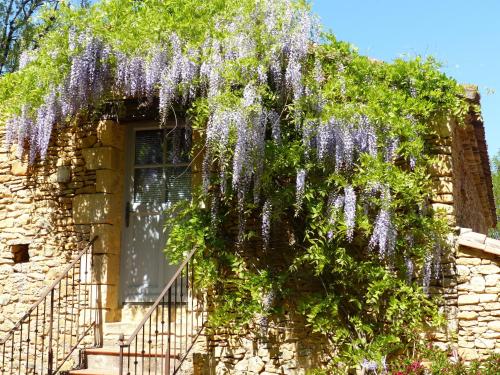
x: 158, y: 176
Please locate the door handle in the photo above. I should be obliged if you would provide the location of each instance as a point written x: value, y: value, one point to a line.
x: 128, y: 210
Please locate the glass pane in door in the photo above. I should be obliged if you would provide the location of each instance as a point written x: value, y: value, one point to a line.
x: 149, y: 185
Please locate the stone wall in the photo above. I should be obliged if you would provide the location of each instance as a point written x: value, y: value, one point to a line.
x: 478, y: 297
x: 36, y: 218
x: 50, y: 210
x: 472, y: 185
x: 286, y: 347
x: 471, y: 204
x: 461, y: 175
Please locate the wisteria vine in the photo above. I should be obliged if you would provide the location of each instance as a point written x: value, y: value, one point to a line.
x: 292, y: 121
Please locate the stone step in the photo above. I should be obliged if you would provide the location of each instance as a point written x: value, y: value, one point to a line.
x: 109, y: 358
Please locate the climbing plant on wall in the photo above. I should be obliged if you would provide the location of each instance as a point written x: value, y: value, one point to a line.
x: 495, y: 166
x: 317, y: 153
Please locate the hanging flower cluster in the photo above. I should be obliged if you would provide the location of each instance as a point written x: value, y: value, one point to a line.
x: 86, y: 83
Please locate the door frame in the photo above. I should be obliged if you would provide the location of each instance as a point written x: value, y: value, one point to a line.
x: 128, y: 186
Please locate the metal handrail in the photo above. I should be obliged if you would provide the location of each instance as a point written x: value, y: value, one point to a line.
x: 46, y: 322
x: 146, y: 349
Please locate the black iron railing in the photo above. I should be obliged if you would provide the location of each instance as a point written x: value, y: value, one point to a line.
x: 65, y: 318
x: 164, y: 338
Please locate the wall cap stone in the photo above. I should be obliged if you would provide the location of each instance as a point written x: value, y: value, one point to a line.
x: 478, y: 241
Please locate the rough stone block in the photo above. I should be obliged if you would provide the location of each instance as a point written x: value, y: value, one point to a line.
x: 108, y: 181
x: 492, y: 280
x: 96, y: 209
x: 493, y: 245
x: 256, y: 365
x: 467, y: 323
x: 86, y: 142
x: 63, y: 174
x: 108, y: 238
x: 489, y: 269
x: 483, y: 343
x: 468, y: 299
x: 477, y: 284
x: 488, y: 298
x: 442, y: 198
x: 463, y: 270
x: 101, y: 158
x: 474, y: 237
x: 468, y: 261
x: 443, y: 125
x: 111, y: 133
x: 491, y: 335
x: 468, y: 354
x: 467, y: 315
x: 18, y: 168
x: 494, y: 325
x: 106, y: 269
x: 442, y: 167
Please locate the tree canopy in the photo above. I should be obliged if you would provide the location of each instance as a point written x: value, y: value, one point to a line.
x: 18, y: 29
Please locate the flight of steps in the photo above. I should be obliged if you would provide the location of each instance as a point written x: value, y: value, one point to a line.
x: 106, y: 360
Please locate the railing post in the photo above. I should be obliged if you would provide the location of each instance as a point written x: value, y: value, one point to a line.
x: 99, y: 334
x: 169, y: 342
x: 121, y: 340
x: 50, y: 365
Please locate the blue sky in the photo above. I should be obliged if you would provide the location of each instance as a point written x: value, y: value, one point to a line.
x: 463, y: 35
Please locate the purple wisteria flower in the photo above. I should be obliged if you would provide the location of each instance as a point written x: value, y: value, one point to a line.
x: 410, y: 268
x: 26, y: 58
x: 392, y: 147
x: 325, y: 139
x: 47, y: 116
x: 300, y: 187
x: 334, y: 206
x: 267, y: 302
x: 274, y: 121
x: 266, y: 224
x: 24, y: 126
x: 344, y: 150
x: 384, y: 233
x: 349, y: 211
x: 370, y: 366
x: 153, y: 70
x: 427, y: 273
x: 168, y: 71
x: 413, y: 162
x: 365, y: 137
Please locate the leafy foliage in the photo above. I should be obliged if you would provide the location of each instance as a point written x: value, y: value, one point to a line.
x: 315, y: 169
x: 434, y: 361
x: 495, y: 163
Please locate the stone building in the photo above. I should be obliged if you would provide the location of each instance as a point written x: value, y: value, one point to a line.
x: 103, y: 187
